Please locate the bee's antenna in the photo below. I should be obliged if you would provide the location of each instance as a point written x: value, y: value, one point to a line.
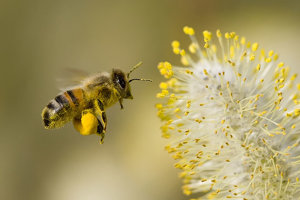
x: 134, y: 68
x: 140, y: 79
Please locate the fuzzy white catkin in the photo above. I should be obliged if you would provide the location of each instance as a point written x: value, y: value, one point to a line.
x: 231, y: 117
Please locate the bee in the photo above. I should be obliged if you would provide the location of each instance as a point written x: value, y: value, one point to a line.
x: 85, y: 104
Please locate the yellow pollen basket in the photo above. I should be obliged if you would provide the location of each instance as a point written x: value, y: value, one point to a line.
x: 87, y: 125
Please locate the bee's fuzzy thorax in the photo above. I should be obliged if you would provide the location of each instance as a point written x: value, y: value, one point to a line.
x: 231, y: 116
x: 97, y: 79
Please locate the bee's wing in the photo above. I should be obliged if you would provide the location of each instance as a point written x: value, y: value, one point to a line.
x: 71, y: 78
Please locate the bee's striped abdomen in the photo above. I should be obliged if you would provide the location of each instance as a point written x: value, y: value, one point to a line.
x: 62, y: 108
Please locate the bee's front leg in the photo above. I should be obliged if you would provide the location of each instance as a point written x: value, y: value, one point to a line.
x: 102, y: 119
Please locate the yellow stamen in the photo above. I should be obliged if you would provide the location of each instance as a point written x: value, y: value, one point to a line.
x: 219, y: 34
x: 193, y: 48
x: 188, y: 30
x: 254, y: 46
x: 163, y: 85
x: 175, y: 44
x: 207, y: 36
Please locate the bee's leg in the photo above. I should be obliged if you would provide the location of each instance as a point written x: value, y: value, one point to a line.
x: 87, y: 123
x: 121, y: 103
x: 102, y: 120
x: 101, y: 132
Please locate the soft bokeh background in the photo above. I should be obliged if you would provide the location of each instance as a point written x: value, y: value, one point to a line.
x: 40, y: 38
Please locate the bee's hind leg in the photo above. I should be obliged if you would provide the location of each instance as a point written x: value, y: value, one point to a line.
x: 101, y: 132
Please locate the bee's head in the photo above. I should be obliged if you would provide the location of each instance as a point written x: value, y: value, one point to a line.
x: 121, y: 83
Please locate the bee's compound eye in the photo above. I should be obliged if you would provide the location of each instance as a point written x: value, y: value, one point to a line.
x: 121, y: 82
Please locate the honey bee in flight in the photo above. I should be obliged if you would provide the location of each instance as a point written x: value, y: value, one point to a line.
x: 86, y: 103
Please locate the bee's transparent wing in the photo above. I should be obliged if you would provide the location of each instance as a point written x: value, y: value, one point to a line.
x: 71, y: 78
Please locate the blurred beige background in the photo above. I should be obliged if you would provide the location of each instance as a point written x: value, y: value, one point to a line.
x: 40, y: 38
